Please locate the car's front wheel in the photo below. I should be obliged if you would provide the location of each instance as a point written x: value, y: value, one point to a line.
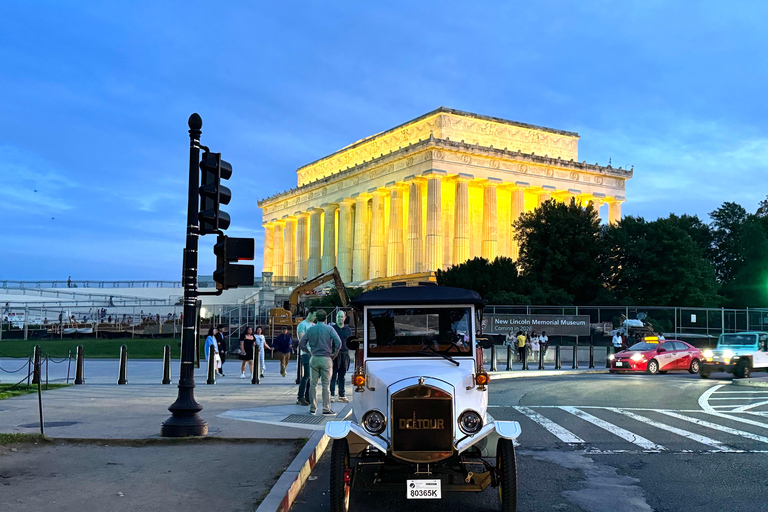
x: 694, y: 366
x: 341, y: 476
x: 506, y: 464
x: 743, y: 371
x: 653, y: 367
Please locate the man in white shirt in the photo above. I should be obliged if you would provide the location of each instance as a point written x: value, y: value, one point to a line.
x: 616, y: 341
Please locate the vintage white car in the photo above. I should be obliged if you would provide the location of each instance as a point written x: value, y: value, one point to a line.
x: 420, y: 421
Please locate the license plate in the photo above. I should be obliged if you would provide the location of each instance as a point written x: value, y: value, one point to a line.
x: 423, y: 489
x: 619, y: 363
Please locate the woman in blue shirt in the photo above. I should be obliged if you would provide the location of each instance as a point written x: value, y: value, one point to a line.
x: 210, y: 342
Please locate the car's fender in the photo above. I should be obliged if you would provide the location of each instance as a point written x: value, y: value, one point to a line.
x: 355, y: 434
x: 488, y: 436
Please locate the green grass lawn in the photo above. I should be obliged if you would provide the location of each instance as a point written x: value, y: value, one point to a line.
x: 4, y: 393
x: 138, y: 348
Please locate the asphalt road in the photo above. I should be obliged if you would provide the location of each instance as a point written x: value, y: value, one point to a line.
x: 614, y: 443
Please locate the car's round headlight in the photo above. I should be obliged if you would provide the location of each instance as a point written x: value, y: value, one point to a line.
x: 470, y: 422
x: 611, y: 357
x: 728, y: 354
x: 708, y: 353
x: 637, y: 357
x: 374, y: 422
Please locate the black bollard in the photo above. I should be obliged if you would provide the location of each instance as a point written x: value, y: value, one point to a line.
x: 298, y: 365
x: 608, y: 356
x: 575, y: 364
x: 525, y: 359
x: 493, y: 358
x: 122, y: 378
x: 541, y: 359
x: 167, y: 365
x: 211, y: 367
x: 591, y: 356
x: 558, y: 361
x: 509, y: 358
x: 36, y: 362
x: 256, y: 376
x: 79, y: 363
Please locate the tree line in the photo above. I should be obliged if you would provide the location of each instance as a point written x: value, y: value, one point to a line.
x: 568, y: 258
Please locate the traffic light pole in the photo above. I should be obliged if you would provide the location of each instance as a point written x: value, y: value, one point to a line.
x: 184, y: 420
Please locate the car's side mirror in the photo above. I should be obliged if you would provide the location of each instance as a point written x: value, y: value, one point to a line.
x: 353, y: 343
x: 661, y: 350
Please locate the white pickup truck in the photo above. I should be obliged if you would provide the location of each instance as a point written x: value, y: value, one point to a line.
x: 738, y: 353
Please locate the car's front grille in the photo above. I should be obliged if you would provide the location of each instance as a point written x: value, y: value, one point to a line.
x: 422, y: 424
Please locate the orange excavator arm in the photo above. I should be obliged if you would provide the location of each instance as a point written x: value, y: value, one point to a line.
x: 311, y: 284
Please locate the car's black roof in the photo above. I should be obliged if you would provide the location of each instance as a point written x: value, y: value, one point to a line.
x: 418, y: 295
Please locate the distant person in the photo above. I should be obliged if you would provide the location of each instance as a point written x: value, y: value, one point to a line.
x: 261, y: 344
x: 544, y: 342
x: 617, y: 342
x: 301, y: 330
x: 211, y: 347
x: 282, y: 345
x: 520, y: 346
x: 246, y: 350
x: 323, y: 344
x: 221, y: 342
x: 534, y: 345
x: 69, y: 282
x: 341, y: 363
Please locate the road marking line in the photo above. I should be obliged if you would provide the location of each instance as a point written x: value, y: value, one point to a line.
x: 737, y: 398
x: 613, y: 429
x: 704, y: 398
x: 750, y: 406
x: 669, y: 428
x: 738, y: 392
x: 738, y: 419
x: 716, y: 426
x: 553, y: 428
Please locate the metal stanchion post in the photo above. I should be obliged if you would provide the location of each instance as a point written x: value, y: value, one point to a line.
x: 46, y: 372
x: 29, y: 370
x: 298, y: 365
x: 69, y: 363
x: 509, y: 358
x: 39, y: 390
x: 541, y: 358
x: 493, y: 358
x: 211, y: 367
x: 558, y: 361
x: 122, y: 377
x: 575, y: 364
x: 591, y: 356
x: 36, y: 362
x: 79, y: 363
x: 608, y: 356
x: 167, y: 365
x: 256, y: 376
x: 525, y: 358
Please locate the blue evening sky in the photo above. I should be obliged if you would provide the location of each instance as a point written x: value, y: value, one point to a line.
x: 95, y: 98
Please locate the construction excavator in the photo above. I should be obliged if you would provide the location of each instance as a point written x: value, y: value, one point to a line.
x: 288, y: 315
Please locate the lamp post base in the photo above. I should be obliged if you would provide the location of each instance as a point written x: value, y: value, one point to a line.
x: 184, y: 425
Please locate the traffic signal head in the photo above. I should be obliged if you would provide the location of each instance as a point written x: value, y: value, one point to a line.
x: 228, y: 250
x: 213, y: 193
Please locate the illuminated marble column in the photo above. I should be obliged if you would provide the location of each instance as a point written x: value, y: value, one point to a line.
x: 277, y: 248
x: 596, y: 204
x: 315, y: 242
x: 614, y: 211
x: 544, y: 196
x: 490, y: 214
x: 289, y: 256
x: 503, y: 202
x: 395, y: 248
x: 433, y: 250
x: 329, y: 236
x: 362, y: 225
x: 378, y: 255
x: 461, y: 222
x: 302, y: 245
x: 415, y: 261
x: 518, y: 208
x: 346, y: 233
x: 268, y: 242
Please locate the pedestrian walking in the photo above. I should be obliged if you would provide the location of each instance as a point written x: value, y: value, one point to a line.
x: 304, y: 356
x: 520, y: 346
x: 212, y: 348
x: 323, y: 344
x: 341, y: 363
x: 617, y: 342
x: 282, y: 346
x: 544, y: 342
x: 221, y: 342
x: 246, y: 351
x: 533, y: 342
x: 261, y: 344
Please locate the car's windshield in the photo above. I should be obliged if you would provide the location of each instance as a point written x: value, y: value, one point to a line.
x: 738, y: 339
x: 419, y: 332
x: 644, y: 347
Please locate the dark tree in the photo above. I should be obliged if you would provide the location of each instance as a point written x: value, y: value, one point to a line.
x: 497, y: 281
x: 561, y: 252
x: 727, y: 225
x: 749, y: 285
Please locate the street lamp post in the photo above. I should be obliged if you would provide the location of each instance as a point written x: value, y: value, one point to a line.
x: 184, y: 420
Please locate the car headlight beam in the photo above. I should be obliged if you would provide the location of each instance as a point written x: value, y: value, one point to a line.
x: 728, y: 354
x: 637, y: 357
x: 470, y: 422
x: 708, y: 353
x: 374, y: 422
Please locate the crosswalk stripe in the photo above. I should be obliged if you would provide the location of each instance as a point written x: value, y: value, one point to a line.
x: 750, y: 406
x: 553, y: 428
x: 668, y: 428
x: 614, y: 429
x: 715, y: 426
x: 738, y: 419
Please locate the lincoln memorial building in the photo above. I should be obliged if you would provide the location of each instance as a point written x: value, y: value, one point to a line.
x: 428, y: 194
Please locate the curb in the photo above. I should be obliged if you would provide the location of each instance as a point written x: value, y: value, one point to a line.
x: 288, y: 486
x: 519, y: 374
x: 752, y: 383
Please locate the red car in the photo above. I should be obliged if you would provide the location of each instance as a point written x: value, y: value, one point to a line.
x: 657, y: 356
